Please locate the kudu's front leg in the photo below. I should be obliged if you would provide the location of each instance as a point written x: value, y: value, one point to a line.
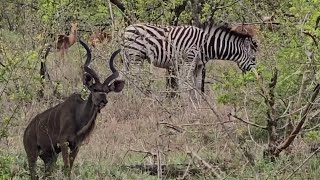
x: 64, y: 145
x: 73, y: 156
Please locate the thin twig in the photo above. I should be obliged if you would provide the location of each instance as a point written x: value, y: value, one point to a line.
x: 159, y: 161
x: 247, y: 117
x: 204, y: 124
x: 225, y: 6
x: 112, y: 20
x: 247, y: 122
x: 313, y: 37
x: 297, y: 129
x: 315, y: 152
x: 310, y: 129
x: 219, y: 118
x: 187, y: 169
x: 291, y: 113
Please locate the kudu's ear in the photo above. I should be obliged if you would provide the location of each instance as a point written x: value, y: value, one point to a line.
x: 116, y: 86
x: 88, y: 80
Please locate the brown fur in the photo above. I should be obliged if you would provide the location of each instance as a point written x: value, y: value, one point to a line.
x: 99, y: 37
x: 65, y: 126
x: 64, y: 42
x: 247, y: 29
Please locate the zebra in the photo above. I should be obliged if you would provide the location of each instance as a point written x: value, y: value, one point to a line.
x: 163, y: 47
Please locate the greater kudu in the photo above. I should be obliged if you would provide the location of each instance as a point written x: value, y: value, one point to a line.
x: 66, y: 125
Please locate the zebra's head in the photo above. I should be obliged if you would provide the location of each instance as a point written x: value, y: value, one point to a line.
x: 226, y: 43
x: 248, y: 48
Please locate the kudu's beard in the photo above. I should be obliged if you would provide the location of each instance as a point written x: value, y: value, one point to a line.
x: 100, y: 106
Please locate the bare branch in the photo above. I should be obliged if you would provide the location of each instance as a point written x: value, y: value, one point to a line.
x: 251, y: 23
x: 2, y: 64
x: 196, y: 11
x: 317, y: 23
x: 225, y: 6
x: 315, y: 152
x: 297, y: 129
x: 313, y: 128
x: 122, y: 8
x: 177, y: 12
x: 291, y: 113
x: 119, y: 4
x: 247, y: 122
x: 313, y: 37
x: 32, y: 5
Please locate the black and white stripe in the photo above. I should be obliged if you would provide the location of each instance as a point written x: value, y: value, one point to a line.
x: 164, y: 46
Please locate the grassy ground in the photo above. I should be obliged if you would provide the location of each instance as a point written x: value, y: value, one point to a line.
x: 137, y: 125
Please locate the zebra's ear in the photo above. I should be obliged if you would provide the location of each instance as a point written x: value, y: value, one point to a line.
x: 247, y: 43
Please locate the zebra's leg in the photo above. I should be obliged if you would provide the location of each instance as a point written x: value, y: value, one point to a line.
x: 199, y: 77
x: 171, y: 83
x: 186, y: 80
x: 203, y: 77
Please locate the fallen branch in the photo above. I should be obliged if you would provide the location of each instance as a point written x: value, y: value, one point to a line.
x: 173, y: 170
x: 204, y: 124
x: 193, y: 154
x: 172, y: 126
x: 148, y: 153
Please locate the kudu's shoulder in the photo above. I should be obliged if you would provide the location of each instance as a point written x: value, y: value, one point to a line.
x: 66, y: 105
x: 75, y: 97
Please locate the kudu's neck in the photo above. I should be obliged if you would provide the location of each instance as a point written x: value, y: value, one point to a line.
x: 88, y: 114
x: 88, y: 107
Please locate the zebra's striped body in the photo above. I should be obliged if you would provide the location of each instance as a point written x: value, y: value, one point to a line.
x: 166, y: 47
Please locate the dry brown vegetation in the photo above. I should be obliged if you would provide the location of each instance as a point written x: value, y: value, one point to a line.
x: 141, y: 126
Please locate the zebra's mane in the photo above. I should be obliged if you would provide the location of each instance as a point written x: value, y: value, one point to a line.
x: 210, y: 27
